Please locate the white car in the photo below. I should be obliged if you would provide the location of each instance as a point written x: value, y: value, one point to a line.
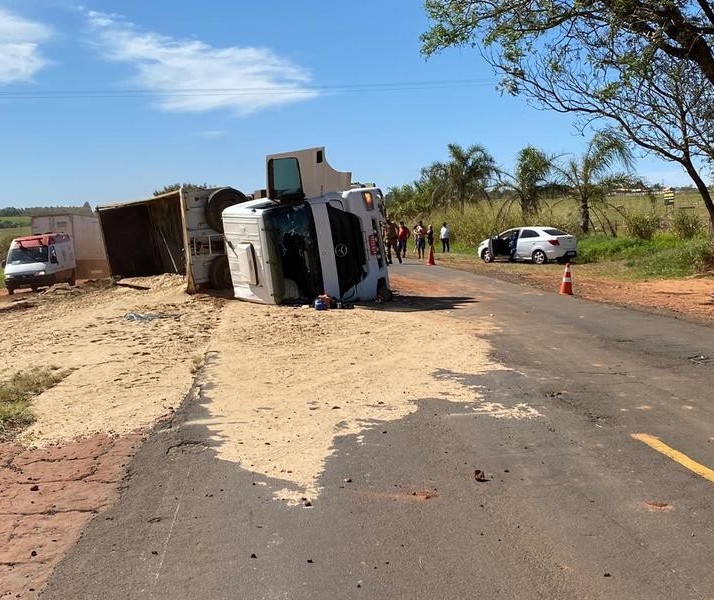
x: 537, y: 244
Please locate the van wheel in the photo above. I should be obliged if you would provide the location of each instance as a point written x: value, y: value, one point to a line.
x: 218, y: 201
x: 73, y: 278
x: 219, y: 273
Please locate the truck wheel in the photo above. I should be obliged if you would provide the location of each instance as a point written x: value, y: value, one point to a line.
x: 384, y: 294
x: 219, y: 273
x: 218, y: 201
x: 73, y: 278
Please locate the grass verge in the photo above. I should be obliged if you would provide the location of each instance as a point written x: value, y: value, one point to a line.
x: 17, y: 393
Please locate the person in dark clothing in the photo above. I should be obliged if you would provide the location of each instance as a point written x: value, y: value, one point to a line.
x: 512, y: 246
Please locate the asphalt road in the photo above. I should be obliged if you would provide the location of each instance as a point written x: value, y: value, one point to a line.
x: 608, y: 495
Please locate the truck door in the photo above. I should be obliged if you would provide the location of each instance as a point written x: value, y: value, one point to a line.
x: 348, y: 246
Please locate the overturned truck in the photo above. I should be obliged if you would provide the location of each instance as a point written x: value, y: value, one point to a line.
x: 178, y: 232
x: 316, y: 233
x: 312, y: 232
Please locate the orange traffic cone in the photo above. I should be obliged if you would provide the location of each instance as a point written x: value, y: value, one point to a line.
x: 566, y: 287
x: 430, y: 260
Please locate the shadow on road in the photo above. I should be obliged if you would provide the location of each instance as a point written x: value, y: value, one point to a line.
x: 409, y: 303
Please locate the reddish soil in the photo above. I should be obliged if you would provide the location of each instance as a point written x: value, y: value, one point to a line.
x: 689, y: 298
x: 47, y: 496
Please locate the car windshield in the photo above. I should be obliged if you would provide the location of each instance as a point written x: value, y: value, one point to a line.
x: 554, y: 232
x: 24, y: 256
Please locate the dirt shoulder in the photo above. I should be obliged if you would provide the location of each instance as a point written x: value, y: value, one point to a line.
x: 132, y: 353
x: 689, y: 298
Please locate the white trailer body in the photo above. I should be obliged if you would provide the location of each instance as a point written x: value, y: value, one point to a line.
x: 86, y: 237
x: 293, y: 247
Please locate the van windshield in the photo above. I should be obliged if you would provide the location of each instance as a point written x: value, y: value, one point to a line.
x: 25, y: 256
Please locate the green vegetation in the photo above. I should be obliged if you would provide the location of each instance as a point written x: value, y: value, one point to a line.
x: 651, y: 239
x: 643, y: 68
x: 17, y: 393
x: 665, y: 255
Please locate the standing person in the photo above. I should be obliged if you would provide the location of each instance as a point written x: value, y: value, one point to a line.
x: 445, y: 236
x: 402, y: 237
x: 420, y: 239
x: 430, y: 236
x: 391, y: 238
x: 512, y: 245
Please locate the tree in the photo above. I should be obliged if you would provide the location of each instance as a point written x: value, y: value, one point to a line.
x: 647, y: 66
x: 533, y: 167
x: 176, y: 186
x: 590, y: 177
x: 465, y: 176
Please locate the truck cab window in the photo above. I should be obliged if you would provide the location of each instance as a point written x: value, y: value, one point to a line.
x: 284, y: 180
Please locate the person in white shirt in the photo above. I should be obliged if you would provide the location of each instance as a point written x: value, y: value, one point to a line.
x: 445, y: 236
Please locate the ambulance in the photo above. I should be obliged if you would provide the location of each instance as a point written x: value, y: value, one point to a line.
x: 37, y: 261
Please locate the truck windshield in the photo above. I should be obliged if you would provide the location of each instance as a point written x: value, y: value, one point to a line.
x: 291, y: 231
x: 24, y: 256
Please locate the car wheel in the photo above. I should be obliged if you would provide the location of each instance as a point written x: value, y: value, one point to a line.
x: 486, y: 256
x: 539, y: 257
x: 219, y: 273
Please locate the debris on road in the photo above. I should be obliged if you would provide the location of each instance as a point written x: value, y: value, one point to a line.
x: 480, y: 476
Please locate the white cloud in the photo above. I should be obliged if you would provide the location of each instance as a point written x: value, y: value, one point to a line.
x: 211, y: 134
x: 192, y: 76
x: 20, y: 39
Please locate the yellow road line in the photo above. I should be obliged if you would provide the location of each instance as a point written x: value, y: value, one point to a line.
x: 675, y: 455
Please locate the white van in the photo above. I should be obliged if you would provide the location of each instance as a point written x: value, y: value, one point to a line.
x: 37, y: 261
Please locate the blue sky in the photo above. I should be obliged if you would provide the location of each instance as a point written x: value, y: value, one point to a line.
x: 106, y: 101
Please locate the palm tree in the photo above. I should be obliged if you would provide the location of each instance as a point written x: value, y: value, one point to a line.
x: 533, y: 167
x: 465, y: 176
x: 591, y: 176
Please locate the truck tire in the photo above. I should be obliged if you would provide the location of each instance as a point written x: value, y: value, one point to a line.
x: 219, y: 273
x: 218, y: 201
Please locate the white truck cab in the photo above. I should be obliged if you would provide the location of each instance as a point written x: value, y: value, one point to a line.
x: 39, y: 261
x: 315, y: 234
